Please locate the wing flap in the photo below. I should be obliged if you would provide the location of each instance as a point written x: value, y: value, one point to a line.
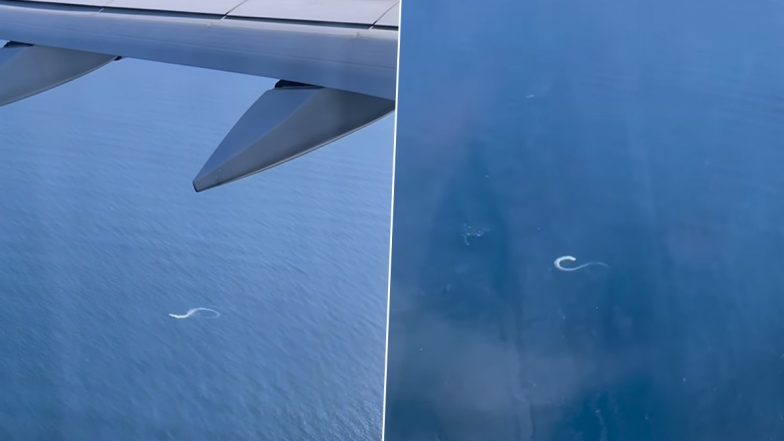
x: 218, y: 7
x: 363, y: 12
x: 72, y: 2
x: 391, y: 18
x: 348, y: 12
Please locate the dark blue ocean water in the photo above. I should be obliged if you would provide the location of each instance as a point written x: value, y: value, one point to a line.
x: 101, y: 236
x: 648, y: 135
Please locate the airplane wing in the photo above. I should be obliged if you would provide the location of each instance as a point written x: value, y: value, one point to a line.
x: 336, y: 61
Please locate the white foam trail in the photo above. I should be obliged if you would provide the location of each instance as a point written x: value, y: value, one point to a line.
x: 193, y: 311
x: 562, y: 259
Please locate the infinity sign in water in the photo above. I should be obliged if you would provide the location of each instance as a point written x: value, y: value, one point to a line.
x: 195, y: 311
x: 572, y: 259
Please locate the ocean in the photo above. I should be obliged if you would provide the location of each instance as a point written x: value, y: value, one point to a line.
x: 102, y: 236
x: 645, y: 135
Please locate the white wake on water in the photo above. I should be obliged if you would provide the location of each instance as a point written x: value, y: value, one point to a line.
x: 192, y: 312
x: 562, y: 259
